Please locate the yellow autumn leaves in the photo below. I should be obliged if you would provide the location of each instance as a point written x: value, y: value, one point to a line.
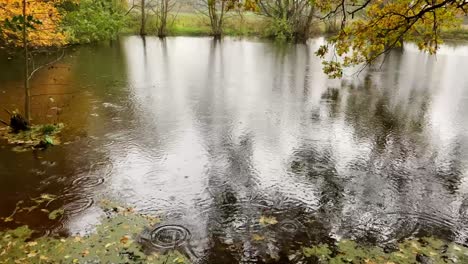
x: 45, y: 33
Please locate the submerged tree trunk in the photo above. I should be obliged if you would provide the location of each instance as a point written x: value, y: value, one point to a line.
x: 216, y: 17
x: 143, y: 19
x: 27, y: 93
x: 162, y: 23
x: 293, y: 19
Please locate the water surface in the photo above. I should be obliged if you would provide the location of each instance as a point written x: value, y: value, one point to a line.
x: 214, y: 135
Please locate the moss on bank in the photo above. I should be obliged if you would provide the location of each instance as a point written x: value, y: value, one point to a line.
x: 115, y: 240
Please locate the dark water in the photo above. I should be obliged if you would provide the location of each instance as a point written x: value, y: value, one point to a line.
x: 214, y: 135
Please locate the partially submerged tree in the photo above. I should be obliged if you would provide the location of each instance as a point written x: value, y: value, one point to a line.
x: 216, y: 11
x: 143, y: 18
x: 372, y: 28
x: 291, y: 19
x: 162, y: 10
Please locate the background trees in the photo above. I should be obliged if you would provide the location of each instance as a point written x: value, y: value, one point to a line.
x: 291, y: 19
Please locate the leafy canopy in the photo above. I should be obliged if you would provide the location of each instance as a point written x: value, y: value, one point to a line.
x: 371, y: 28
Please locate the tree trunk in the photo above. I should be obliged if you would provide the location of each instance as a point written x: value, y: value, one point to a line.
x: 143, y: 19
x: 162, y: 30
x: 27, y: 94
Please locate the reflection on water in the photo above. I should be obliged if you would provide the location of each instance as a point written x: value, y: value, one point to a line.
x: 215, y: 135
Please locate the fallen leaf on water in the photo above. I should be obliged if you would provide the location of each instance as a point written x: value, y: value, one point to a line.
x: 178, y: 260
x: 56, y: 213
x: 48, y: 197
x: 256, y: 237
x: 266, y: 220
x: 124, y: 239
x: 109, y: 244
x: 32, y: 244
x: 32, y: 254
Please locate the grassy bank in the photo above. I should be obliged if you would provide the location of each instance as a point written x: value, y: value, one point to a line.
x: 249, y: 24
x: 457, y: 34
x: 193, y: 24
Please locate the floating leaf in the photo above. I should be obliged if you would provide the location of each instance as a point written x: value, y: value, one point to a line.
x: 85, y: 253
x: 56, y: 213
x: 49, y: 140
x: 179, y: 260
x: 109, y: 244
x: 48, y: 197
x: 265, y: 220
x: 32, y: 243
x: 124, y: 240
x: 257, y: 237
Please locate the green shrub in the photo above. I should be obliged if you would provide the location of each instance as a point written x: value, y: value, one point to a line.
x: 93, y: 20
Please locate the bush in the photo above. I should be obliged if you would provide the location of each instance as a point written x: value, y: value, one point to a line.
x: 93, y: 20
x: 280, y: 29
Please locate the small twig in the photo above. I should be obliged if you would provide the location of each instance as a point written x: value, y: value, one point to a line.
x: 5, y: 123
x: 6, y: 110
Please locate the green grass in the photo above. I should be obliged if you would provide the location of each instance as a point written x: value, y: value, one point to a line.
x: 194, y: 24
x: 249, y: 24
x: 460, y: 33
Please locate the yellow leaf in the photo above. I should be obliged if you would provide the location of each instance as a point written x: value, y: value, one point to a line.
x: 265, y: 220
x: 178, y: 260
x: 124, y: 239
x: 109, y: 244
x: 32, y: 244
x: 256, y: 237
x: 32, y: 254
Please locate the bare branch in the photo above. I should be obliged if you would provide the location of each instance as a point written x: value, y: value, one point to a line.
x: 45, y: 65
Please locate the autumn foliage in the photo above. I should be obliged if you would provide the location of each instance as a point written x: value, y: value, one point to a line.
x: 43, y: 21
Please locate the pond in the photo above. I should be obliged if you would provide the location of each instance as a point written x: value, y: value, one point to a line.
x: 220, y: 138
